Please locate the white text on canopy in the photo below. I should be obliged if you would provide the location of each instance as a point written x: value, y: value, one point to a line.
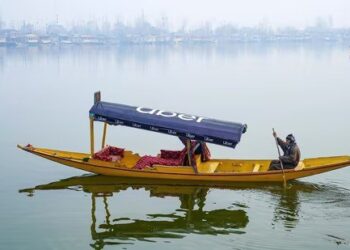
x: 169, y: 114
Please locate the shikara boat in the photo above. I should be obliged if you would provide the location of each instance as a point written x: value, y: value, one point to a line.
x: 192, y: 163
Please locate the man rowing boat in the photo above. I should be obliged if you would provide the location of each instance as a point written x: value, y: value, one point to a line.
x: 291, y: 156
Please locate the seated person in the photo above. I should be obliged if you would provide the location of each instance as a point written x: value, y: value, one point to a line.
x: 291, y: 156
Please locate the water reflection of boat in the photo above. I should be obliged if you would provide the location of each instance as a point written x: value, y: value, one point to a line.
x: 109, y: 184
x: 190, y: 217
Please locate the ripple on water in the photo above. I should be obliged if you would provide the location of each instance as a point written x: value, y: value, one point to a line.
x: 337, y: 240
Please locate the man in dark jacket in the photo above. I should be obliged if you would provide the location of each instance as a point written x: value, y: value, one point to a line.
x: 291, y: 156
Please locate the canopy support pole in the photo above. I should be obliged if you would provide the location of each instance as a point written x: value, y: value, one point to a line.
x: 104, y: 134
x: 189, y: 156
x: 188, y: 147
x: 92, y: 141
x: 97, y: 98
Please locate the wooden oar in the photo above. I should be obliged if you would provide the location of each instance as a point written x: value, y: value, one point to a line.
x: 279, y: 158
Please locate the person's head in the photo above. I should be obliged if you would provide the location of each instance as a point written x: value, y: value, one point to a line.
x: 290, y: 138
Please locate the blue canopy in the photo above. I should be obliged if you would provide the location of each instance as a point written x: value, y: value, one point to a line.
x: 172, y: 123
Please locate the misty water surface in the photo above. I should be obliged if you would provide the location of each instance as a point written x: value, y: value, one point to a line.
x: 45, y: 96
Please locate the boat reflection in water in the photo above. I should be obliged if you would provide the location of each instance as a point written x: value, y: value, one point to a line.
x: 191, y: 217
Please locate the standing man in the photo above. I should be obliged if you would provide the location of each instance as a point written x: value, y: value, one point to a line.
x: 291, y: 156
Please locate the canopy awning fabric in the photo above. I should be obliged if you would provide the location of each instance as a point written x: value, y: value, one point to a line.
x: 172, y: 123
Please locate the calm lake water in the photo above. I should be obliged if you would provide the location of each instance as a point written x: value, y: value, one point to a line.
x: 45, y: 95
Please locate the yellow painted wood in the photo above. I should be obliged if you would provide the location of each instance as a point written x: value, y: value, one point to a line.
x: 256, y: 168
x: 104, y: 135
x: 237, y: 170
x: 300, y: 166
x: 206, y: 167
x: 92, y: 140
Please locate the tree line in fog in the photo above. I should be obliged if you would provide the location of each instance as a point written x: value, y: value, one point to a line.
x: 144, y: 32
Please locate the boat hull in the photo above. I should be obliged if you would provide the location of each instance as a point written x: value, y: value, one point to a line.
x: 173, y: 173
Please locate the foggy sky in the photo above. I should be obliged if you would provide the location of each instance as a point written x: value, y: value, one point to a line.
x: 275, y: 13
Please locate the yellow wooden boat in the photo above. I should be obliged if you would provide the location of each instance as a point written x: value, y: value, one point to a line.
x: 191, y: 128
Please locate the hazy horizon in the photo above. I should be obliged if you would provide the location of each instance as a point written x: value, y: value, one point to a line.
x: 272, y: 13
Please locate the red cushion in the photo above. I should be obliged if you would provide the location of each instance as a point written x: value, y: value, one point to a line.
x: 106, y: 153
x: 171, y: 158
x: 170, y: 154
x: 148, y: 161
